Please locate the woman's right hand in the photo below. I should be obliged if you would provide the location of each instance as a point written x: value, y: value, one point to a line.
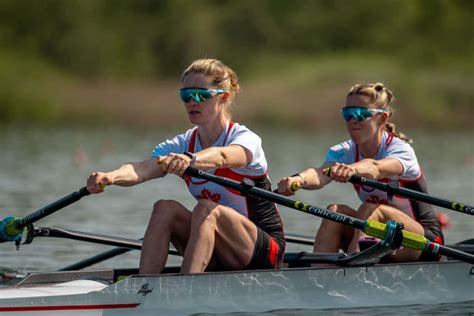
x: 97, y: 181
x: 340, y: 172
x: 287, y: 184
x: 174, y: 163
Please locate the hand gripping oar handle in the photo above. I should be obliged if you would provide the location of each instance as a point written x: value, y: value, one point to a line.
x: 370, y: 227
x: 294, y: 186
x: 393, y: 187
x: 12, y: 228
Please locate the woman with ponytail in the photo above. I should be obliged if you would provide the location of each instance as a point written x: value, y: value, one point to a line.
x: 225, y: 230
x: 375, y: 151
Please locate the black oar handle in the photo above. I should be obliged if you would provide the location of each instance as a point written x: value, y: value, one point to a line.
x: 51, y: 208
x: 393, y: 187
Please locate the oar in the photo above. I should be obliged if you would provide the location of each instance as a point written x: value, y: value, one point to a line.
x: 393, y: 187
x: 124, y: 244
x: 95, y: 259
x: 370, y: 227
x: 11, y: 228
x: 88, y: 237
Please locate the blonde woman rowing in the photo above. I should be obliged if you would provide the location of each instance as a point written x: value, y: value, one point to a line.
x: 375, y: 150
x: 225, y: 230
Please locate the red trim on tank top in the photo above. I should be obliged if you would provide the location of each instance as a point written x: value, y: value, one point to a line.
x: 358, y: 187
x: 192, y: 143
x: 191, y: 149
x: 231, y: 124
x: 225, y: 172
x: 389, y: 140
x: 356, y: 159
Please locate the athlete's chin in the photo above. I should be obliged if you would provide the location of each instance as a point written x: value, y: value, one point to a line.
x: 195, y: 119
x: 356, y: 136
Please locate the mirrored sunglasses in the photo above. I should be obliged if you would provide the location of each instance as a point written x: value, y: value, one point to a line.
x: 359, y: 113
x: 198, y: 94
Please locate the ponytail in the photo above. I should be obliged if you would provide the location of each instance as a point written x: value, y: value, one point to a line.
x: 390, y: 128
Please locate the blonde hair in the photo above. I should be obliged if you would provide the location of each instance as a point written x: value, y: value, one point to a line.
x: 223, y: 77
x: 381, y: 97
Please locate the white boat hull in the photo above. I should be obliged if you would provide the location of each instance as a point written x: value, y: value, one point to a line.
x: 255, y: 291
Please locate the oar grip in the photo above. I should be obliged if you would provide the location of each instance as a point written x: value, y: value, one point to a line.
x: 294, y: 186
x: 327, y: 172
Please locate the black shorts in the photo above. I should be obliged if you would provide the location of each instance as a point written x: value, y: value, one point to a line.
x: 268, y: 252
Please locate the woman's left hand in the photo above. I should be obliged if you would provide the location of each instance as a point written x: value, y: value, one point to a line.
x: 175, y: 163
x: 341, y: 172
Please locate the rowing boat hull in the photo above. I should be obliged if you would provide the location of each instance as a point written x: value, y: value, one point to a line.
x: 258, y: 291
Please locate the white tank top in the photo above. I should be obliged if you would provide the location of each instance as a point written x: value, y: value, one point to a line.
x: 233, y: 134
x: 391, y: 147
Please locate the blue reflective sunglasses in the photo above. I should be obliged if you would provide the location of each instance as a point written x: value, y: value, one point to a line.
x: 198, y: 94
x: 359, y: 113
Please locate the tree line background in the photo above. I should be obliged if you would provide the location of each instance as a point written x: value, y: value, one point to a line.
x: 119, y: 62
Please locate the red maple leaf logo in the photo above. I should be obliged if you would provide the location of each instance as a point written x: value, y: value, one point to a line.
x: 208, y: 195
x: 376, y: 200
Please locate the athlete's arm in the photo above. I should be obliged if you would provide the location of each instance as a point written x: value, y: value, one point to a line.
x: 129, y: 174
x: 369, y: 168
x: 231, y: 156
x: 310, y: 179
x: 378, y: 169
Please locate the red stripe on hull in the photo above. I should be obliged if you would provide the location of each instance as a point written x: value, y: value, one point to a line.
x: 65, y: 307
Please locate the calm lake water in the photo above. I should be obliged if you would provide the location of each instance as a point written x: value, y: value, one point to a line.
x: 38, y: 166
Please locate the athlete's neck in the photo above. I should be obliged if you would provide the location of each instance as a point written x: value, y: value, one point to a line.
x: 370, y: 148
x: 209, y: 133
